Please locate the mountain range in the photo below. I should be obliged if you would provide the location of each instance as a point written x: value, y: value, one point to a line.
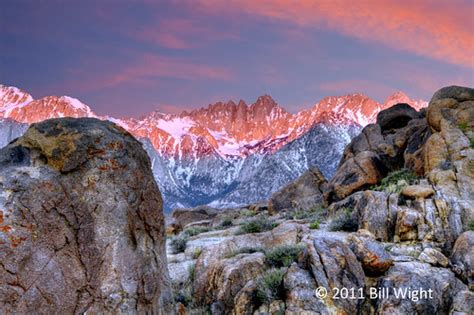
x: 225, y: 154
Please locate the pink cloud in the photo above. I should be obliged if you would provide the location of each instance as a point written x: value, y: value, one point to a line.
x: 441, y: 30
x: 356, y: 86
x: 179, y: 33
x: 145, y: 69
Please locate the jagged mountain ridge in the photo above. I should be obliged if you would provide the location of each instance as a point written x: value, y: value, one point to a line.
x: 227, y: 153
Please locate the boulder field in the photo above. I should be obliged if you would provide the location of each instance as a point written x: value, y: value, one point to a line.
x: 398, y: 216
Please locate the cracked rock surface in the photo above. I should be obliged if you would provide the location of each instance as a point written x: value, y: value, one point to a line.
x: 81, y: 223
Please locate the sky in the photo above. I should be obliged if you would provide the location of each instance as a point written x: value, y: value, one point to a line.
x: 128, y: 58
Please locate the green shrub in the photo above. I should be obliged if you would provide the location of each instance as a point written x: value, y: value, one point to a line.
x: 246, y: 250
x: 197, y: 253
x: 256, y: 226
x: 248, y: 213
x: 344, y: 222
x: 270, y: 286
x: 314, y: 225
x: 472, y: 143
x: 470, y: 225
x: 283, y: 256
x: 395, y: 181
x: 191, y: 272
x: 314, y: 213
x: 195, y: 230
x: 226, y: 222
x: 178, y: 244
x: 463, y: 126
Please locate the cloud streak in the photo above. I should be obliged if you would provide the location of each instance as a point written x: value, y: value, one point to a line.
x: 435, y: 29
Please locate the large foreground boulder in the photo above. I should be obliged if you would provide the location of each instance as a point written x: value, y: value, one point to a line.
x: 81, y: 223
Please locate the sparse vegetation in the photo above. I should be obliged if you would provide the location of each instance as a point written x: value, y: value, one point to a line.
x: 270, y: 286
x: 195, y: 230
x: 178, y: 243
x: 226, y: 222
x: 470, y: 225
x: 248, y: 213
x: 395, y: 181
x: 472, y: 143
x: 312, y: 214
x: 314, y: 225
x: 191, y: 272
x: 283, y: 256
x: 256, y: 226
x: 246, y: 250
x: 197, y: 253
x: 344, y: 222
x: 463, y: 126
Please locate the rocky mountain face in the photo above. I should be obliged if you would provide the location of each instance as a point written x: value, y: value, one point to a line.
x: 81, y: 223
x: 223, y: 154
x: 392, y: 232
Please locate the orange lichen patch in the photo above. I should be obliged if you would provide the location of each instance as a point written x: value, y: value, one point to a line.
x: 114, y: 164
x: 5, y: 228
x: 115, y: 145
x: 15, y: 241
x: 1, y: 217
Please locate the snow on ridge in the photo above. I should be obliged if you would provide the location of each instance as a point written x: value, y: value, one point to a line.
x: 176, y: 127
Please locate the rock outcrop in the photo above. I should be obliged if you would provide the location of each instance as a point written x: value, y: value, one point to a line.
x: 302, y: 194
x: 399, y: 211
x: 81, y: 223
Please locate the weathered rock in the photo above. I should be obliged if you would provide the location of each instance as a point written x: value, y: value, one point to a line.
x: 300, y: 292
x: 334, y: 265
x: 228, y: 277
x: 82, y: 228
x: 374, y: 211
x: 417, y: 191
x: 449, y: 156
x: 372, y: 255
x: 434, y: 257
x: 396, y: 117
x: 406, y: 228
x: 462, y: 258
x: 361, y: 171
x: 216, y: 275
x: 419, y: 277
x: 183, y: 217
x: 304, y: 193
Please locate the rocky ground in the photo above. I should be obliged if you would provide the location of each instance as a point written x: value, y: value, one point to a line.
x: 397, y: 215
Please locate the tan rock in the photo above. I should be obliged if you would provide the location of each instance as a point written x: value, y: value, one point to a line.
x: 433, y: 257
x: 417, y: 191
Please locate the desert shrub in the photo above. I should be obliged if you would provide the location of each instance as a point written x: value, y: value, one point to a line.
x: 463, y: 126
x: 248, y: 213
x: 191, y: 272
x: 314, y: 225
x: 395, y: 181
x: 256, y: 226
x: 470, y: 225
x: 195, y: 230
x: 313, y: 213
x: 472, y: 143
x: 270, y: 286
x: 226, y: 222
x: 246, y: 250
x: 178, y: 243
x: 283, y: 256
x: 197, y: 253
x: 344, y: 222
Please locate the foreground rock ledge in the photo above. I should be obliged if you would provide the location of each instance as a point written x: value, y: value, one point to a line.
x: 81, y: 223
